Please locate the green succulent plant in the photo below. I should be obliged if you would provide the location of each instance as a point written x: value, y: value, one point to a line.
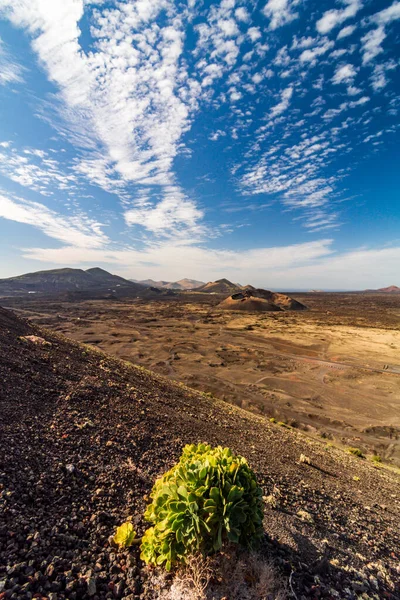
x: 125, y: 535
x: 210, y: 496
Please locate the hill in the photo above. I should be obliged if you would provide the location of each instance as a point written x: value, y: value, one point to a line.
x: 391, y: 289
x: 65, y: 280
x: 182, y: 284
x: 150, y: 283
x: 82, y: 438
x: 259, y: 300
x: 221, y: 286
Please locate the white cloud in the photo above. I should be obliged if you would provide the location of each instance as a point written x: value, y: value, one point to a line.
x: 242, y: 14
x: 283, y: 105
x: 334, y: 17
x: 280, y: 12
x: 379, y: 78
x: 254, y: 33
x: 344, y: 106
x: 372, y: 44
x: 228, y: 27
x: 352, y: 90
x: 387, y: 15
x: 124, y: 94
x: 34, y: 169
x: 216, y: 135
x: 372, y: 41
x: 174, y: 216
x: 346, y: 31
x: 344, y: 74
x: 173, y: 259
x: 78, y: 230
x: 311, y: 55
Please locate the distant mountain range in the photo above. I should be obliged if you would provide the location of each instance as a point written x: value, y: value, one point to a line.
x: 182, y: 284
x: 391, y: 289
x: 66, y: 280
x: 97, y: 282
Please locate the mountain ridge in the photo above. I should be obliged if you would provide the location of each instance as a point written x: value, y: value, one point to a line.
x: 64, y: 280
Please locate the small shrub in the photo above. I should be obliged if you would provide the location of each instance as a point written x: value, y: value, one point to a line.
x: 376, y: 458
x: 356, y: 452
x: 209, y: 497
x: 125, y: 535
x: 272, y: 420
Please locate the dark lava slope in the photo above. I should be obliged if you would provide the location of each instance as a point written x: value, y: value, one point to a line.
x: 82, y: 438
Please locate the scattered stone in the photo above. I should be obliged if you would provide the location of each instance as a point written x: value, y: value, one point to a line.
x: 35, y: 339
x: 305, y: 516
x: 91, y: 586
x: 304, y: 459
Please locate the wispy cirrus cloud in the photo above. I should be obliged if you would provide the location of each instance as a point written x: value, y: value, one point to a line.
x: 10, y: 71
x: 77, y: 230
x: 35, y: 169
x: 130, y: 96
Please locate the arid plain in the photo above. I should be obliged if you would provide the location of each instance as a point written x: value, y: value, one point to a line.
x: 333, y: 371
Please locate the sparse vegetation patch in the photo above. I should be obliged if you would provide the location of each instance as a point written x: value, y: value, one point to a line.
x: 356, y: 452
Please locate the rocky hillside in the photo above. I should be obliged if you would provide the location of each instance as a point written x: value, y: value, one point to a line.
x: 65, y: 280
x: 82, y: 438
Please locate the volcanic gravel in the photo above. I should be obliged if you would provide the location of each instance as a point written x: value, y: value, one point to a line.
x: 83, y: 437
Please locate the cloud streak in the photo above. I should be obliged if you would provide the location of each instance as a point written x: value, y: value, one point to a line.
x: 78, y: 231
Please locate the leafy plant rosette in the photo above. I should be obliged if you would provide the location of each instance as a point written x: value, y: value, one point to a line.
x: 210, y: 496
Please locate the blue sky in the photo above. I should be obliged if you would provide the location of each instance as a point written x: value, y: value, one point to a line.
x: 158, y: 138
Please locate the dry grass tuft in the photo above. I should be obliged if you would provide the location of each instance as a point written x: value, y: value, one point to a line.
x: 234, y: 574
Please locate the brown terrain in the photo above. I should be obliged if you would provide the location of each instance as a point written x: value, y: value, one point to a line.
x: 333, y: 370
x: 83, y: 436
